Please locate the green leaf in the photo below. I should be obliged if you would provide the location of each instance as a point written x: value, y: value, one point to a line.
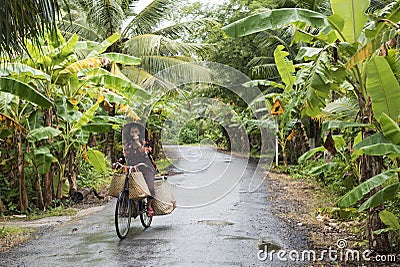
x: 18, y: 69
x: 354, y: 17
x: 86, y: 117
x: 390, y: 129
x: 328, y: 125
x: 377, y: 145
x: 308, y: 53
x: 285, y: 67
x: 255, y: 83
x: 387, y: 193
x: 87, y: 63
x: 104, y: 45
x: 339, y: 141
x: 310, y: 153
x: 24, y: 91
x: 118, y: 84
x: 364, y: 188
x: 100, y: 127
x: 121, y: 58
x: 383, y: 88
x: 97, y: 159
x: 318, y: 86
x: 42, y: 133
x: 389, y: 219
x: 274, y: 20
x: 43, y: 159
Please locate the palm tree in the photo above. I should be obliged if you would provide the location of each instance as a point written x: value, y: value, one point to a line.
x: 142, y: 36
x: 20, y: 20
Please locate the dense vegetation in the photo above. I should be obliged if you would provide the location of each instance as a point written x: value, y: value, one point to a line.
x: 62, y: 103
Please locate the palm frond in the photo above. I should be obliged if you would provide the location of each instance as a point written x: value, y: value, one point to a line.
x: 260, y: 61
x: 106, y: 14
x: 190, y: 27
x: 20, y: 20
x: 85, y: 32
x: 269, y: 40
x: 150, y: 44
x: 322, y: 6
x: 167, y: 72
x: 155, y: 64
x: 141, y: 77
x: 147, y: 20
x: 263, y: 67
x: 344, y: 108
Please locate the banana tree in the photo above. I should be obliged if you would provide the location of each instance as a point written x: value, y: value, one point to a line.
x: 352, y: 43
x: 15, y: 81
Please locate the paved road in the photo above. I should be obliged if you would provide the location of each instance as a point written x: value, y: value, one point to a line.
x: 215, y: 224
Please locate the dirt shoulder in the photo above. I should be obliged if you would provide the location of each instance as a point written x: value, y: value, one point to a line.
x: 301, y: 203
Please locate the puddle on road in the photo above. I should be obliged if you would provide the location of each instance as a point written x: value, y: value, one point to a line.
x: 216, y: 222
x: 268, y: 245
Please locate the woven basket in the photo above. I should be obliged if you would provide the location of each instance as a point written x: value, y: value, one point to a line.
x: 117, y: 184
x: 164, y: 201
x: 138, y: 188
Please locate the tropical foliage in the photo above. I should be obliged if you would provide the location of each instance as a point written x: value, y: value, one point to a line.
x: 345, y: 60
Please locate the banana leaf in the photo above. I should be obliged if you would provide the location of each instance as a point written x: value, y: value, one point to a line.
x: 43, y: 159
x: 285, y: 67
x: 354, y: 17
x: 328, y: 125
x: 18, y: 69
x: 383, y: 88
x: 42, y: 133
x: 121, y: 58
x: 97, y: 159
x: 357, y: 193
x: 24, y: 91
x: 377, y: 145
x: 310, y: 153
x: 389, y: 219
x: 390, y: 129
x: 274, y: 20
x: 387, y: 193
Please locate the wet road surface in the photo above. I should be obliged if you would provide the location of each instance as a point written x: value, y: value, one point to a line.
x: 225, y: 228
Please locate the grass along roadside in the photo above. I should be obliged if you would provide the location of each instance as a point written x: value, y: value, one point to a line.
x: 11, y: 236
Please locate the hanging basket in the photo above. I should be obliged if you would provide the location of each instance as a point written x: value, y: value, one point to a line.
x: 117, y: 184
x: 138, y: 188
x: 164, y: 201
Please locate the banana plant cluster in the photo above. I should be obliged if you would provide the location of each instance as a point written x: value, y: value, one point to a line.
x: 349, y: 57
x: 51, y: 99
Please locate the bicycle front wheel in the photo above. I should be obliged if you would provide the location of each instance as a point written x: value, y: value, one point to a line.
x: 123, y: 215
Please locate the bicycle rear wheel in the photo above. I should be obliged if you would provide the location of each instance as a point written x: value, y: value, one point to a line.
x: 123, y: 215
x: 144, y: 218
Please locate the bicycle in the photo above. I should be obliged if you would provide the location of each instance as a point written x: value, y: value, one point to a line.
x: 127, y: 208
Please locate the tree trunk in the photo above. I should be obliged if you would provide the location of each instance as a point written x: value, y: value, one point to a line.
x: 48, y: 177
x: 2, y: 207
x: 156, y: 142
x: 71, y: 171
x: 109, y: 146
x: 40, y: 201
x: 371, y: 166
x: 23, y: 194
x: 61, y: 179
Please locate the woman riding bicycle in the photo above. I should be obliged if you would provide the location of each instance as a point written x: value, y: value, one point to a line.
x: 135, y: 153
